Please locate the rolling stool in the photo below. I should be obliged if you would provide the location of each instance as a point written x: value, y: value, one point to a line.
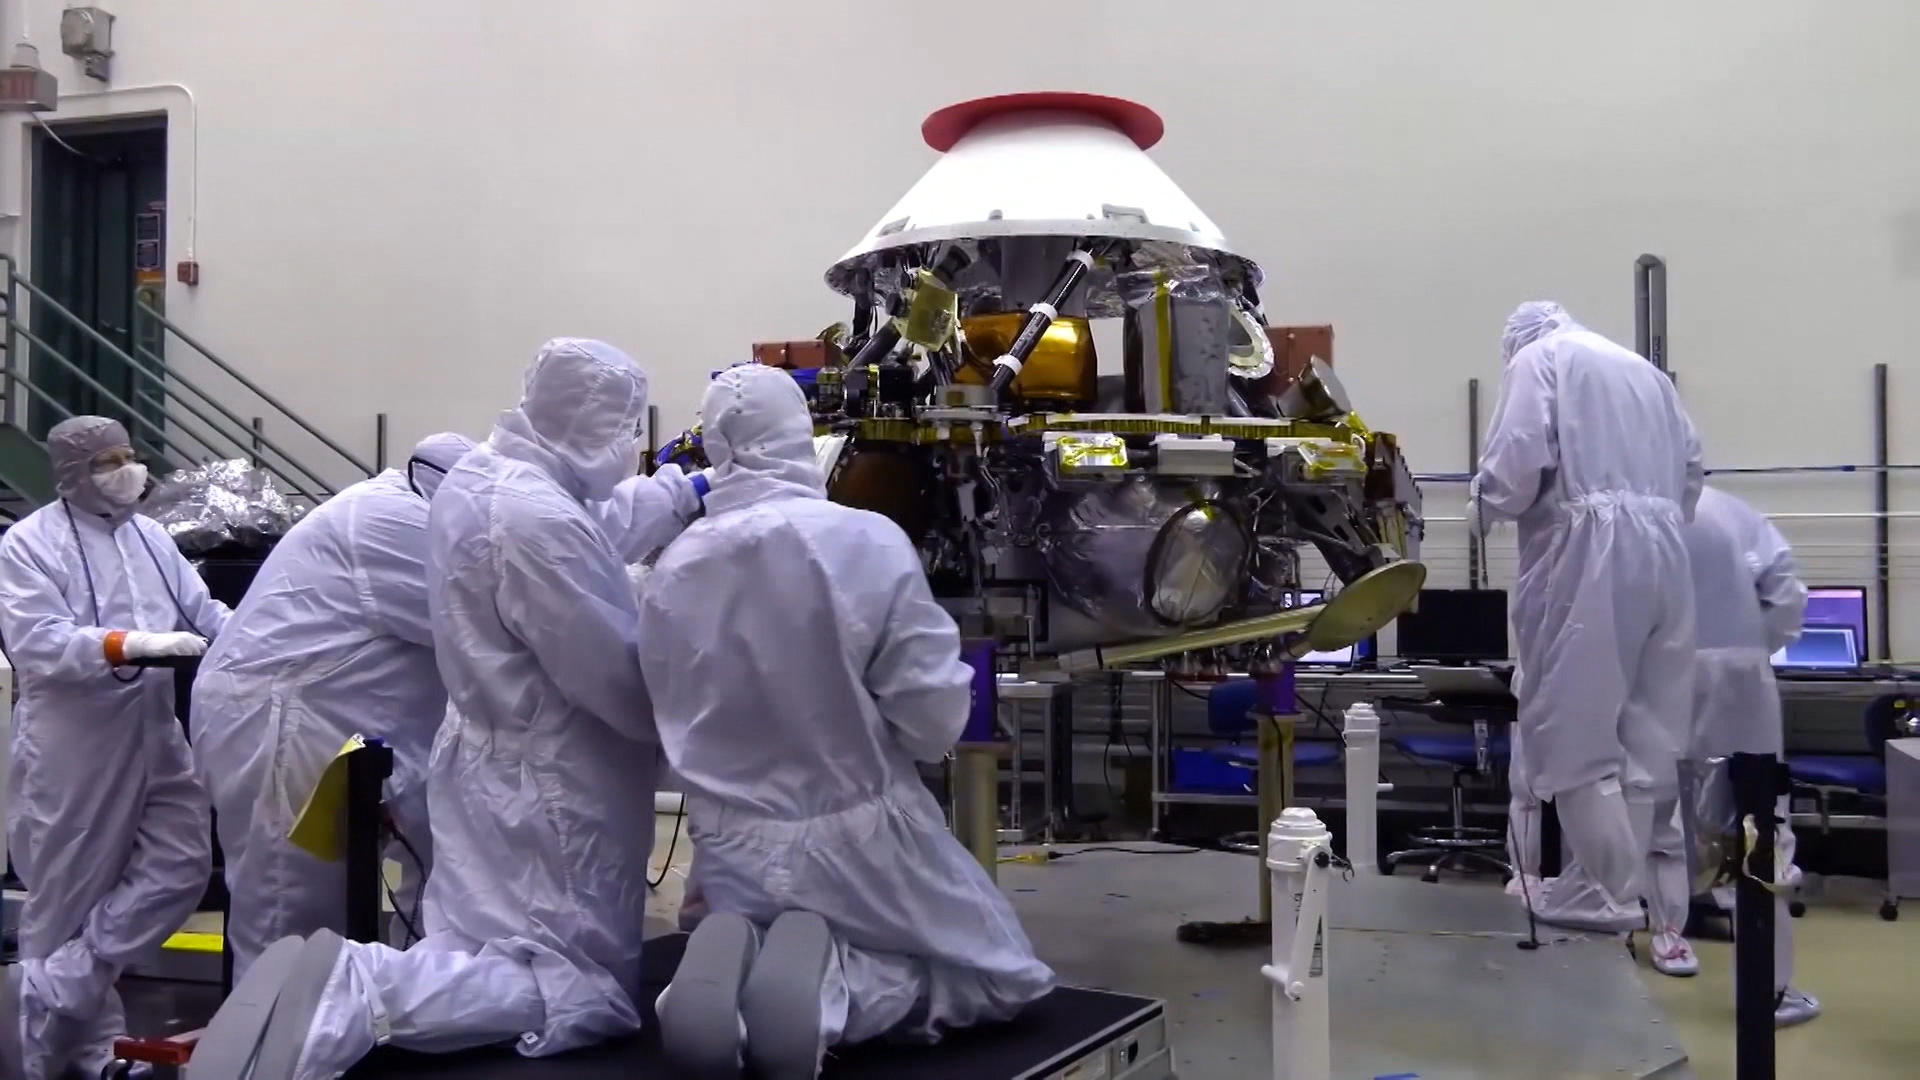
x: 1455, y: 844
x: 1228, y: 706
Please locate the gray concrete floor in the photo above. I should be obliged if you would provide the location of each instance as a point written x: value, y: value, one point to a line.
x: 1109, y: 922
x: 1423, y: 979
x: 1865, y: 971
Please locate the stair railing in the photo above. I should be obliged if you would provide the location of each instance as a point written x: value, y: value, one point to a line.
x: 159, y: 388
x: 143, y: 310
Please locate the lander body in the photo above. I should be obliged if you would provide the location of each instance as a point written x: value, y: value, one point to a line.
x: 1081, y: 520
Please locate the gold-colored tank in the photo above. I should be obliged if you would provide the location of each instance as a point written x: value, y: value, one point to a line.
x: 1062, y: 368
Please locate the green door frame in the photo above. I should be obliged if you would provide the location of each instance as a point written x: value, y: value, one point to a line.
x: 92, y: 182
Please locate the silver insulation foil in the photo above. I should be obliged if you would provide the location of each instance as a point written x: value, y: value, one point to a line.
x: 1185, y: 318
x: 1141, y: 557
x: 1713, y: 825
x: 220, y: 503
x: 1195, y: 275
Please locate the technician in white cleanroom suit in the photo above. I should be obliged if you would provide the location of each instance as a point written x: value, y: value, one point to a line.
x: 1591, y: 452
x: 333, y: 640
x: 106, y: 825
x: 1749, y: 602
x: 541, y: 781
x: 799, y: 668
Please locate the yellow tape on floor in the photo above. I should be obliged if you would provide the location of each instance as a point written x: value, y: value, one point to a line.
x: 185, y: 941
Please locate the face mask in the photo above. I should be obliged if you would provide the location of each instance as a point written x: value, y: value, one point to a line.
x: 122, y: 486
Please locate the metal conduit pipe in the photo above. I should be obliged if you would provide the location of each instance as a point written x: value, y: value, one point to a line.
x: 1808, y: 515
x: 1749, y: 470
x: 1650, y: 309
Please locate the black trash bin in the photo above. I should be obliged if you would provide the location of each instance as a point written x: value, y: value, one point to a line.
x: 229, y: 571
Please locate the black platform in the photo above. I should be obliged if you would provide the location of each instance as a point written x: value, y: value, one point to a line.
x: 1065, y: 1027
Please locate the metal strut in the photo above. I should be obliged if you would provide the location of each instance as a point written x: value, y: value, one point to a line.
x: 1040, y: 316
x: 887, y: 335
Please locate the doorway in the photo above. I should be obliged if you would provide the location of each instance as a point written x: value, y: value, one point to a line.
x: 99, y: 249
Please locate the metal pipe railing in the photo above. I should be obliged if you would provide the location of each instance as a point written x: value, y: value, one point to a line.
x: 290, y: 470
x: 249, y: 441
x: 142, y: 307
x: 57, y: 406
x: 212, y: 424
x: 41, y: 296
x: 11, y: 412
x: 160, y: 406
x: 53, y: 403
x: 137, y: 419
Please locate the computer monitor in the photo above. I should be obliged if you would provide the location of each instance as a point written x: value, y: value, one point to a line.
x: 1833, y: 633
x: 1454, y: 626
x: 1361, y: 650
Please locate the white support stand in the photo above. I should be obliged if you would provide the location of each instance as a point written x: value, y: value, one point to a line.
x: 1362, y: 736
x: 1300, y: 858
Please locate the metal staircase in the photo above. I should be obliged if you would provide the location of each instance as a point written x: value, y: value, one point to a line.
x: 172, y: 418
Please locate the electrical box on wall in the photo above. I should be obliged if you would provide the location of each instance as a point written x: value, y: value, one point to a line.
x: 86, y: 34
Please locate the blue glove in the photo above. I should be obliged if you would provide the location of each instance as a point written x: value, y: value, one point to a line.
x: 685, y: 443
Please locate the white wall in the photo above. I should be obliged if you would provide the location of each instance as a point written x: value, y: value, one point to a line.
x: 398, y: 202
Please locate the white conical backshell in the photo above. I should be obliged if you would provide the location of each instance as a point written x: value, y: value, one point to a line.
x: 1041, y: 172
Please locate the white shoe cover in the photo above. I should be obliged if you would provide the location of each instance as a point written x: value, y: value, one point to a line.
x: 1673, y: 956
x: 1795, y: 1008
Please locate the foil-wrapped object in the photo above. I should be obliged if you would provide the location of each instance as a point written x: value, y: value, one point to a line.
x: 221, y: 503
x: 1180, y: 331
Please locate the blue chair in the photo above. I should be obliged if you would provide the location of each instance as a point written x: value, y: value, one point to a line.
x: 1228, y: 707
x: 1454, y: 845
x: 1858, y: 776
x: 1306, y: 754
x: 1849, y: 773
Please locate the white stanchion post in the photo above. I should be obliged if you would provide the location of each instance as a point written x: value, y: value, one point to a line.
x: 1362, y: 735
x: 1300, y: 859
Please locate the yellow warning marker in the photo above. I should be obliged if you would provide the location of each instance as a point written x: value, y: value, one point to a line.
x: 190, y: 941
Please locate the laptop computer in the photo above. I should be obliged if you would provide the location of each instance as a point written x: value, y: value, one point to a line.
x: 1455, y: 626
x: 1465, y: 685
x: 1334, y: 659
x: 1833, y: 634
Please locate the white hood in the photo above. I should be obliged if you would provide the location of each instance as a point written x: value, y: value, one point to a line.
x: 758, y: 435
